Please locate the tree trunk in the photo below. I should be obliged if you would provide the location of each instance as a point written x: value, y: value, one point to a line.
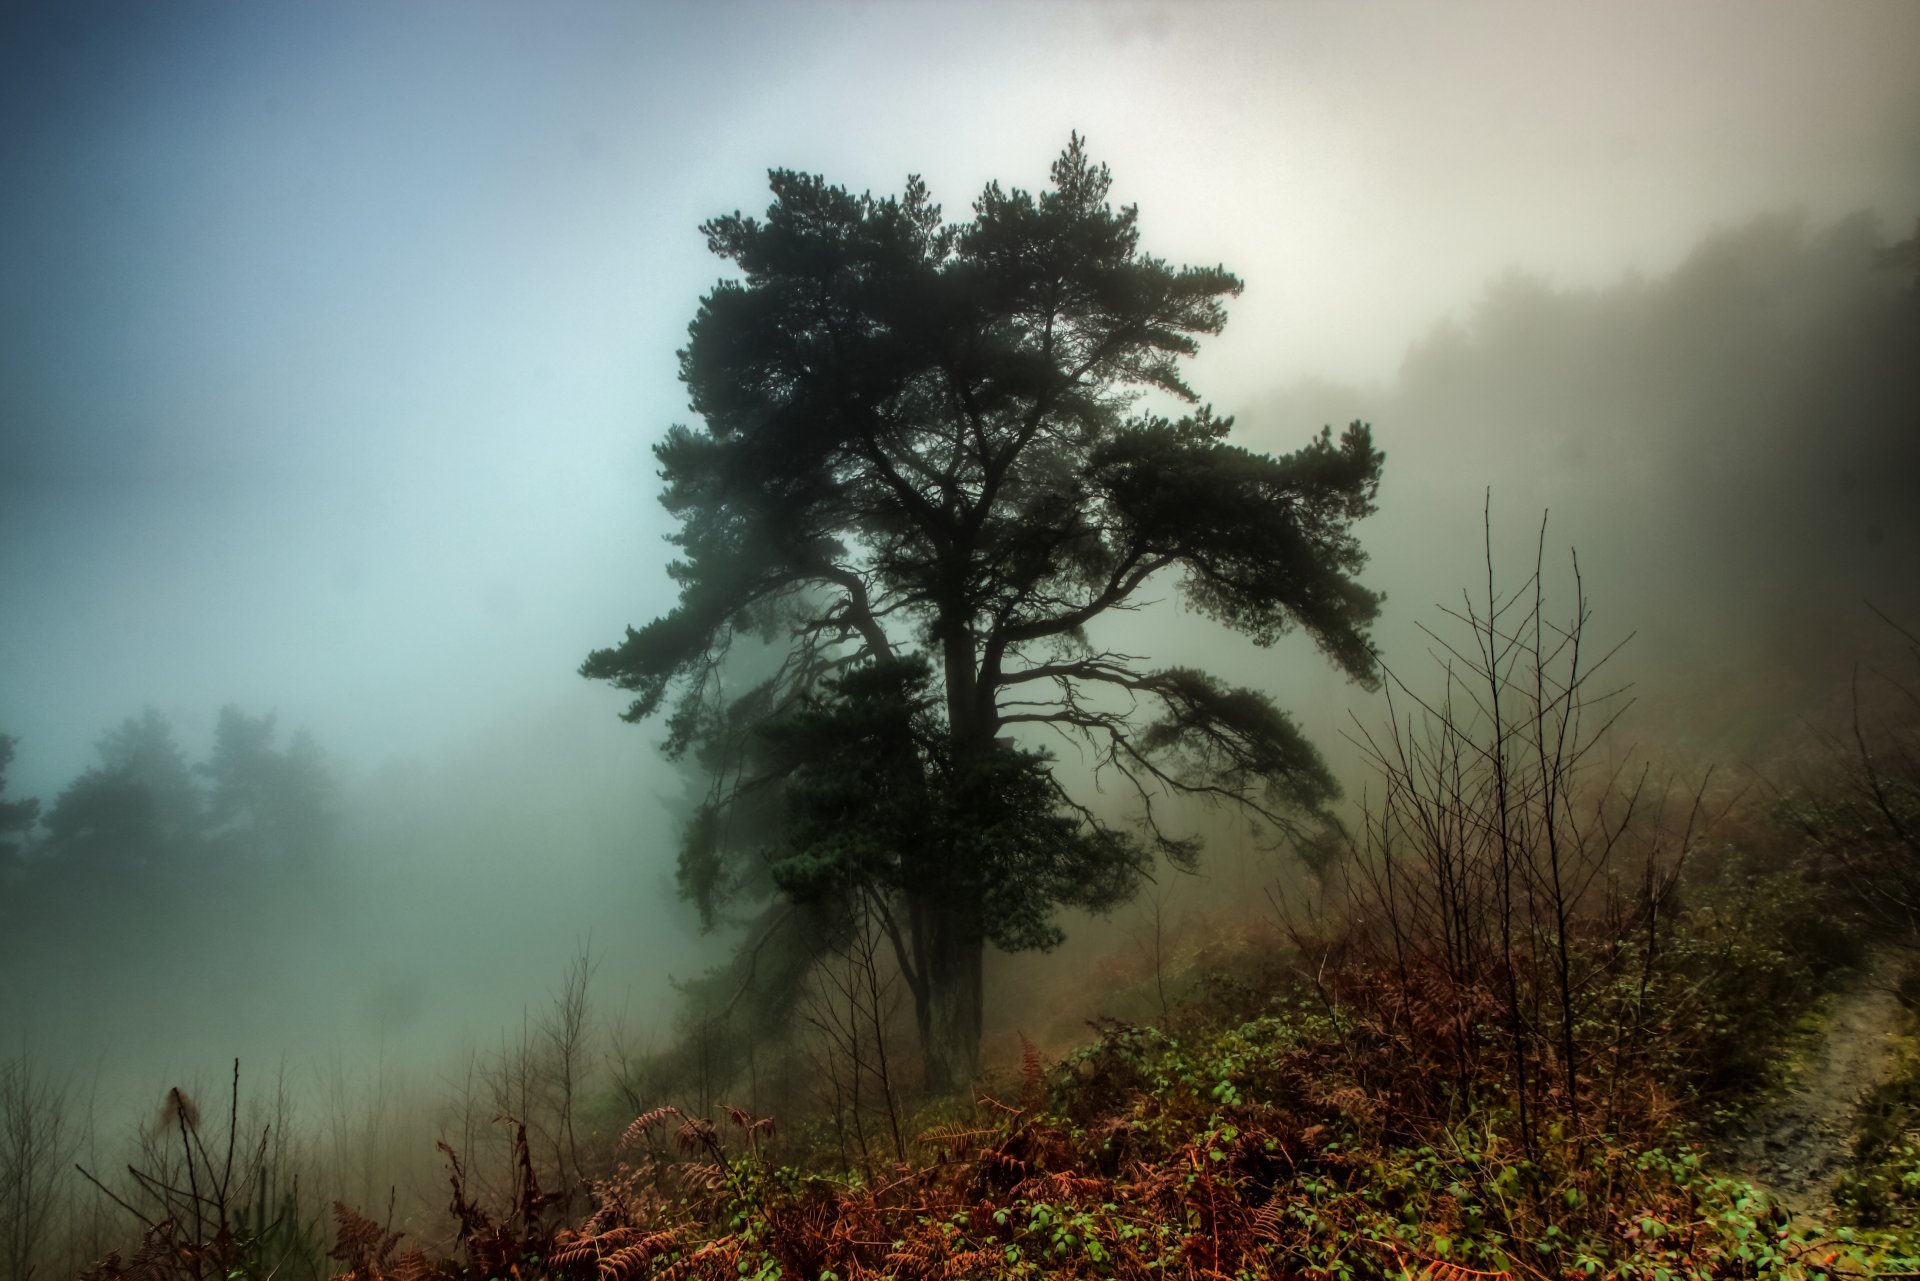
x: 948, y: 1014
x: 950, y: 922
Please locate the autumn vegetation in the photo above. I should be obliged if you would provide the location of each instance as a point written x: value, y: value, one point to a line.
x: 1497, y: 1013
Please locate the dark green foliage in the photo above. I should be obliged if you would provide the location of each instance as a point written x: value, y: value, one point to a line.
x: 273, y: 803
x: 140, y: 807
x: 1758, y: 947
x: 139, y: 852
x: 1187, y: 494
x: 105, y: 816
x: 17, y: 818
x: 144, y: 805
x: 145, y: 750
x: 878, y: 801
x: 922, y: 450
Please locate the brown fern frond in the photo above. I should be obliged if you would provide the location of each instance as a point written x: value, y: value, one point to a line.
x: 495, y: 1247
x: 966, y: 1262
x: 361, y: 1244
x: 624, y: 1262
x: 1002, y: 1159
x: 530, y: 1200
x: 722, y: 1256
x: 154, y: 1260
x: 578, y: 1254
x: 1033, y: 1076
x: 696, y: 1133
x: 572, y: 1256
x: 1269, y: 1219
x: 583, y: 1255
x: 1351, y: 1101
x: 1440, y: 1270
x: 1043, y: 1147
x: 613, y: 1238
x: 111, y: 1268
x: 474, y: 1221
x: 1063, y: 1185
x: 995, y: 1105
x: 412, y: 1265
x: 638, y: 1127
x: 705, y: 1175
x: 955, y: 1137
x: 920, y: 1256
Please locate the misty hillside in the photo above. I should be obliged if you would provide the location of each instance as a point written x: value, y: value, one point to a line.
x: 1683, y: 428
x: 1730, y: 447
x: 929, y: 641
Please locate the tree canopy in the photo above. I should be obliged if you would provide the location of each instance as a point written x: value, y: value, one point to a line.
x: 928, y: 458
x: 17, y: 817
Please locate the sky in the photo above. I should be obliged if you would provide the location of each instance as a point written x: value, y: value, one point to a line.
x: 334, y: 337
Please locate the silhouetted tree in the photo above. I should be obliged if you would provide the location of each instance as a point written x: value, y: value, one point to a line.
x: 139, y: 808
x: 144, y: 749
x: 307, y: 804
x: 243, y: 770
x: 105, y: 819
x: 276, y: 803
x: 924, y: 470
x: 17, y: 818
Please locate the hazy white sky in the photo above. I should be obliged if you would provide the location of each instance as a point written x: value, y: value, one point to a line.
x: 333, y: 336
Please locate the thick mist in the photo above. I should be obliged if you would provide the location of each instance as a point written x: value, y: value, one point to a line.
x: 1728, y: 447
x: 336, y: 338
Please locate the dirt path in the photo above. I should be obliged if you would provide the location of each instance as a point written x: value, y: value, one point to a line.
x: 1796, y: 1145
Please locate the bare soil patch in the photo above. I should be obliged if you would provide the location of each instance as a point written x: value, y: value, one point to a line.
x: 1796, y: 1144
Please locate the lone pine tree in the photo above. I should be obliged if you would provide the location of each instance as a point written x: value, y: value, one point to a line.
x: 923, y: 468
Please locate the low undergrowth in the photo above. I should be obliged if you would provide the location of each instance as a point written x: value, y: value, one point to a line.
x: 1271, y: 1126
x: 1242, y: 1150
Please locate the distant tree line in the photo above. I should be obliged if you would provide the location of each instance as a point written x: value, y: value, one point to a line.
x: 147, y: 813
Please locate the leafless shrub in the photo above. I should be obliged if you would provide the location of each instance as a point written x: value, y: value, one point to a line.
x: 1507, y: 893
x: 37, y: 1140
